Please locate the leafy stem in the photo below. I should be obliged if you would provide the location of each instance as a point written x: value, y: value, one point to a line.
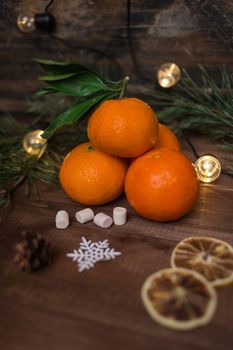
x: 81, y: 82
x: 124, y: 83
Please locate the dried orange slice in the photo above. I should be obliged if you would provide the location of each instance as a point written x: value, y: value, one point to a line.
x: 211, y: 257
x: 179, y: 298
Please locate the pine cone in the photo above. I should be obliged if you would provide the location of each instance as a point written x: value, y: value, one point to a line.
x: 33, y: 252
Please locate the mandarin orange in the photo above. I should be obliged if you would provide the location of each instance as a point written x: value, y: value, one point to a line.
x: 92, y: 177
x: 162, y: 185
x: 167, y: 138
x: 126, y: 128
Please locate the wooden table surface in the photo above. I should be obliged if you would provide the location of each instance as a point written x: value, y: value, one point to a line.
x: 60, y: 308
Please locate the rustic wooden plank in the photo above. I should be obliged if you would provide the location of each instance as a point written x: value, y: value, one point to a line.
x: 107, y: 296
x: 57, y: 307
x: 185, y: 32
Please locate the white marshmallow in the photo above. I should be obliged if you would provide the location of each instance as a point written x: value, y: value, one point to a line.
x: 119, y: 215
x: 62, y: 219
x: 103, y: 220
x: 84, y: 215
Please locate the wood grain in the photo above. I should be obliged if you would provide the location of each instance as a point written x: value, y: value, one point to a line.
x: 95, y: 33
x: 59, y: 308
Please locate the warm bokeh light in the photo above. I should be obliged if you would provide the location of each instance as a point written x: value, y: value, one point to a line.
x: 208, y: 168
x: 34, y: 144
x: 168, y: 75
x: 26, y: 22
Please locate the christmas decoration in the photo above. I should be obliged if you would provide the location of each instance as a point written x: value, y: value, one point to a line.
x: 183, y: 297
x: 211, y: 257
x: 208, y: 168
x: 34, y: 144
x: 179, y: 298
x: 89, y: 253
x: 168, y: 75
x: 33, y: 252
x: 27, y: 22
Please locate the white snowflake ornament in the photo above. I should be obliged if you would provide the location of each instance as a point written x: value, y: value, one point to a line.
x: 89, y: 253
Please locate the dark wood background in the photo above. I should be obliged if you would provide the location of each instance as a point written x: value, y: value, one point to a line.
x: 187, y: 32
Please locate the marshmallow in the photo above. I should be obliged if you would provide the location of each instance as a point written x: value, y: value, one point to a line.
x: 84, y: 215
x: 119, y: 215
x: 103, y: 220
x: 62, y: 219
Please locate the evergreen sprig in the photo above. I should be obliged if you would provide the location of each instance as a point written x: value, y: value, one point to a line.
x: 18, y: 167
x: 205, y: 107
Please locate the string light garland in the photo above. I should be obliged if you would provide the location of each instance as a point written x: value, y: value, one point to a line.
x: 34, y: 144
x: 48, y: 6
x: 27, y: 22
x: 208, y: 168
x: 168, y: 75
x: 131, y: 46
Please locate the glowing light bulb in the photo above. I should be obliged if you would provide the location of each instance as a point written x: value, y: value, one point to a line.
x: 208, y: 168
x: 26, y: 22
x: 34, y: 144
x: 168, y: 75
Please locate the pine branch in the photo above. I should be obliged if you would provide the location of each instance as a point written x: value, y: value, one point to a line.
x: 206, y: 108
x: 17, y: 167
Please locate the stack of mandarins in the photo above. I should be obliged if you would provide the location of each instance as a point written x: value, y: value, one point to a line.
x: 160, y: 183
